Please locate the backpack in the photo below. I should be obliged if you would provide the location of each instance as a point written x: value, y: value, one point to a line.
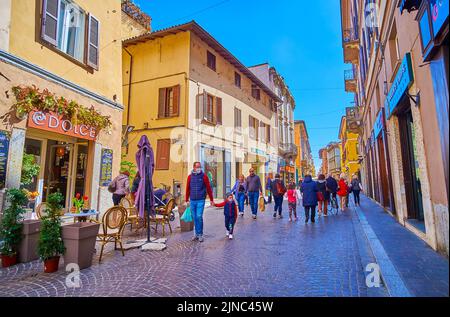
x: 281, y: 189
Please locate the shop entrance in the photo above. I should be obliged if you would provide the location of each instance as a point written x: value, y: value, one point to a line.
x: 63, y: 167
x: 411, y: 168
x: 384, y: 181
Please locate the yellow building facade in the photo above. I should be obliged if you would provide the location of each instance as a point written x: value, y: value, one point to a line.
x: 196, y: 102
x: 349, y: 150
x: 73, y: 49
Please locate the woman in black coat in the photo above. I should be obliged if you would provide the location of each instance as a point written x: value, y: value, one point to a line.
x: 323, y: 195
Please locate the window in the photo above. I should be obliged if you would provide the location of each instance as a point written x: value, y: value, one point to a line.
x: 253, y: 128
x: 211, y: 60
x: 169, y: 102
x: 209, y: 108
x: 238, y: 119
x: 237, y: 80
x: 256, y: 93
x: 263, y: 131
x: 163, y: 154
x: 393, y: 48
x: 268, y: 137
x: 64, y: 27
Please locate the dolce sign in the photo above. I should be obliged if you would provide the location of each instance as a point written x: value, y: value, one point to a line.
x: 54, y: 123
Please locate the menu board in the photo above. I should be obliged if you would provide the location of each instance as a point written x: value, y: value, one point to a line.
x: 4, y: 148
x: 106, y: 167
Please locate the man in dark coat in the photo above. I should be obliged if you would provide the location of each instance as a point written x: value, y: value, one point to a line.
x: 332, y: 187
x: 309, y: 190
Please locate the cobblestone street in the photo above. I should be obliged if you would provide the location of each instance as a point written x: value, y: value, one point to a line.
x: 269, y: 257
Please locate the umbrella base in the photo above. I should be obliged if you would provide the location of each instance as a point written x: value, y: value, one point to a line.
x: 153, y: 246
x: 139, y: 243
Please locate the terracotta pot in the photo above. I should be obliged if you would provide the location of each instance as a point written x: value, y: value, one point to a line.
x: 51, y: 265
x: 8, y: 261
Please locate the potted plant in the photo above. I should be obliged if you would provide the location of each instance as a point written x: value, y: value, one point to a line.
x: 11, y: 226
x: 30, y: 169
x: 51, y: 245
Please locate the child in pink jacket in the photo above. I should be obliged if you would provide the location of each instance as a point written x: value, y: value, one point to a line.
x: 292, y: 195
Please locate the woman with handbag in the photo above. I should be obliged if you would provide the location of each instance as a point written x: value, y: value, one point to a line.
x: 356, y: 189
x: 323, y: 196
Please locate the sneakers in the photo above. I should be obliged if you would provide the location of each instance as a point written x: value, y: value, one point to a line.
x: 230, y: 237
x: 306, y: 220
x: 241, y: 214
x: 254, y: 217
x: 290, y: 219
x: 280, y: 217
x: 274, y: 214
x: 227, y: 234
x: 200, y: 239
x: 194, y: 238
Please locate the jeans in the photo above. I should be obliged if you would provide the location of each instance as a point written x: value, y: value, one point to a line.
x: 278, y: 204
x: 253, y: 199
x: 117, y: 198
x: 197, y: 207
x: 356, y: 196
x: 241, y: 201
x: 313, y: 213
x: 229, y: 223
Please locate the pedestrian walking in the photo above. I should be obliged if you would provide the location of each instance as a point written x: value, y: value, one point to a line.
x: 343, y: 191
x: 278, y: 190
x: 120, y: 187
x: 356, y: 189
x: 254, y: 190
x: 332, y: 188
x: 198, y: 186
x: 268, y: 189
x: 293, y: 198
x: 309, y: 190
x: 239, y: 189
x: 323, y: 196
x: 230, y: 211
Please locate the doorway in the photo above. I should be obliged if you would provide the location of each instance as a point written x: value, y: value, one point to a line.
x: 384, y: 181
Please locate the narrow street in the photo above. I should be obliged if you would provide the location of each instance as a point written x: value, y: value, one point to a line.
x: 269, y: 257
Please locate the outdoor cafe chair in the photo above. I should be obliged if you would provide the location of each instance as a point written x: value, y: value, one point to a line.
x: 132, y: 214
x: 113, y: 223
x: 163, y: 217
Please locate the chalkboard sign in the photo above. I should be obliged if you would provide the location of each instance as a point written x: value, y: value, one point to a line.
x: 4, y: 148
x: 106, y: 167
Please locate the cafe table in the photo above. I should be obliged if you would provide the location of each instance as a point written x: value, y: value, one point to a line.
x: 82, y: 216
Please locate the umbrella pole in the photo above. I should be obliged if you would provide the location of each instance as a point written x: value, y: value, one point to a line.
x: 148, y: 227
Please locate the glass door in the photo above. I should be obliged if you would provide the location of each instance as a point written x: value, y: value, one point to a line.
x: 79, y: 171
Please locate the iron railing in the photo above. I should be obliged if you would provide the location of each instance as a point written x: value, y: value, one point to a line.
x: 349, y: 35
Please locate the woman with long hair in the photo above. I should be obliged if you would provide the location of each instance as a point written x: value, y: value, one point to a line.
x: 343, y: 191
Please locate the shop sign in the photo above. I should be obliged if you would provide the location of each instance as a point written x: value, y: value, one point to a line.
x: 106, y: 167
x: 379, y: 123
x: 439, y: 14
x: 55, y: 123
x: 402, y: 82
x: 4, y: 149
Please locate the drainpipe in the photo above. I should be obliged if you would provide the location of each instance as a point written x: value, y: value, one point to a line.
x: 129, y: 90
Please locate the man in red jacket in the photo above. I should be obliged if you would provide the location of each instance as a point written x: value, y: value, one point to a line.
x: 197, y: 187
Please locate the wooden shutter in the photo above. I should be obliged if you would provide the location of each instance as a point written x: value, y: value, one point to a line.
x: 50, y: 16
x: 176, y: 101
x: 163, y: 154
x: 251, y: 128
x: 219, y: 111
x: 201, y: 105
x: 256, y: 129
x: 162, y: 103
x: 93, y: 42
x: 269, y: 131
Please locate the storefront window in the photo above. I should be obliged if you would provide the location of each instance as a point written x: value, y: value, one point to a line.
x: 212, y: 161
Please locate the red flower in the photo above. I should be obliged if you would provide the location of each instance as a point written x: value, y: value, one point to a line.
x: 85, y: 198
x: 77, y: 196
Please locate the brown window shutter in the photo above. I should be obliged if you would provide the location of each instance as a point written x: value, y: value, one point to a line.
x: 162, y: 103
x: 176, y: 101
x: 219, y: 111
x: 50, y: 16
x: 269, y: 131
x: 163, y: 154
x: 251, y: 130
x: 257, y: 129
x: 93, y: 42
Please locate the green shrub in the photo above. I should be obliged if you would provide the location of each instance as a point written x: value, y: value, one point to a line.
x: 29, y: 169
x: 11, y: 225
x: 50, y: 240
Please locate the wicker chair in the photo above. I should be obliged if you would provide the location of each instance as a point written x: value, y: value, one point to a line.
x: 132, y: 214
x: 164, y: 217
x: 40, y: 210
x: 113, y: 223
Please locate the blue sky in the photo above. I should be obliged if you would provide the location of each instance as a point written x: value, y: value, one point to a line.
x: 302, y: 39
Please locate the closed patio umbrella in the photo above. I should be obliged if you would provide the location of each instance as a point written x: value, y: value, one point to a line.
x: 144, y: 195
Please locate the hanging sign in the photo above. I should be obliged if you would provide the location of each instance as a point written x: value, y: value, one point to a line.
x: 106, y: 167
x: 439, y: 14
x: 4, y: 149
x: 55, y: 123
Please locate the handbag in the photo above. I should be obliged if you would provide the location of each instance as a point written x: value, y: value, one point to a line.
x: 262, y: 204
x: 112, y: 187
x: 187, y: 215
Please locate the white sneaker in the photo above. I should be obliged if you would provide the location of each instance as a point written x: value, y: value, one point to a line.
x: 227, y: 234
x: 230, y: 237
x: 241, y: 214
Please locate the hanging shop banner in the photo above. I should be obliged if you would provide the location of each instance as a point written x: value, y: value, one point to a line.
x: 379, y: 123
x: 439, y: 14
x: 106, y: 167
x: 54, y: 123
x: 4, y: 149
x: 402, y: 82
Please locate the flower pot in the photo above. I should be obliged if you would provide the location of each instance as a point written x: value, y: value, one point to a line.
x: 29, y: 244
x: 79, y: 240
x: 51, y: 265
x: 8, y: 261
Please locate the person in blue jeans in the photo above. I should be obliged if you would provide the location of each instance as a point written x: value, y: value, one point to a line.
x: 254, y: 190
x: 278, y: 190
x: 197, y: 187
x: 238, y: 191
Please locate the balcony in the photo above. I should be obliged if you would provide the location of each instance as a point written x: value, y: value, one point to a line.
x: 350, y: 81
x: 288, y: 150
x: 351, y: 46
x: 354, y: 119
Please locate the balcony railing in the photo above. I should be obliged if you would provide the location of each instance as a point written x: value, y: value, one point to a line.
x: 349, y: 35
x: 350, y: 80
x: 288, y: 149
x: 350, y: 40
x: 354, y: 119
